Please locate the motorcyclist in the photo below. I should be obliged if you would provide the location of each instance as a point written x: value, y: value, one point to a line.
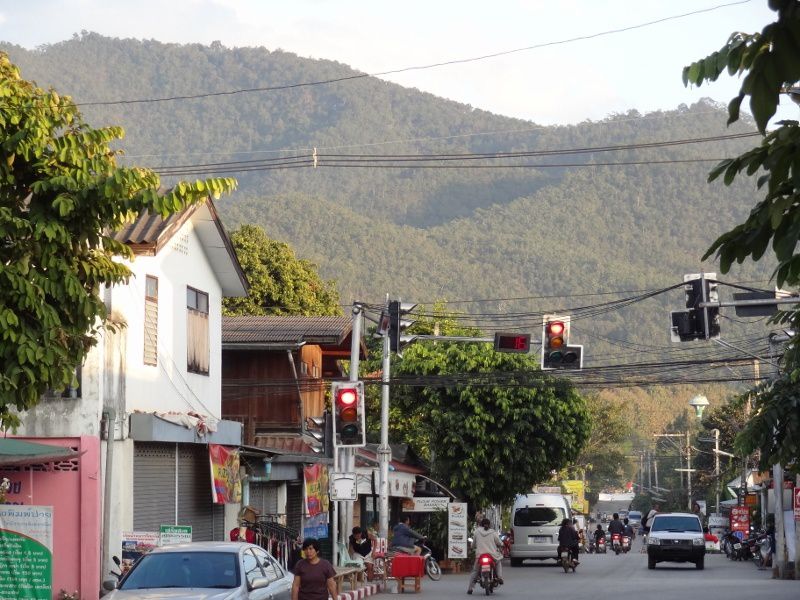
x: 628, y: 529
x: 616, y: 526
x: 568, y: 538
x: 487, y: 541
x: 403, y: 537
x: 599, y: 534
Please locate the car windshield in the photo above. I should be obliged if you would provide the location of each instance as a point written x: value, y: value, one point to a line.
x: 666, y: 523
x: 184, y: 570
x: 536, y: 516
x: 634, y: 514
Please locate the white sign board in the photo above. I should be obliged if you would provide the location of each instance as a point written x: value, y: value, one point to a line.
x: 425, y: 504
x: 343, y: 486
x: 457, y: 530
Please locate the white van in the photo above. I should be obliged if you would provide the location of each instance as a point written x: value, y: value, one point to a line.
x: 535, y: 521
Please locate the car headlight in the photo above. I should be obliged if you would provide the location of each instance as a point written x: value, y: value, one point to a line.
x: 698, y: 541
x: 653, y: 541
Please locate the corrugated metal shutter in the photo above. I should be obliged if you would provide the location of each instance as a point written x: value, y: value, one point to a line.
x: 195, y: 507
x: 153, y: 485
x: 264, y: 498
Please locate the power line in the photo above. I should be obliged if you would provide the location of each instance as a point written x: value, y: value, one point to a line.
x: 412, y: 68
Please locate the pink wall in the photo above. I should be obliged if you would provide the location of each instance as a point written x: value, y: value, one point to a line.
x: 72, y: 488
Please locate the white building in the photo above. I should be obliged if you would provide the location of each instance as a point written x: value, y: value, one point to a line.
x: 156, y: 383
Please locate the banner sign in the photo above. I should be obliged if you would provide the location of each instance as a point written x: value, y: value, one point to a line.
x: 457, y: 530
x: 175, y: 534
x: 26, y: 552
x: 797, y: 504
x: 425, y: 504
x: 136, y: 543
x: 575, y: 489
x: 316, y: 480
x: 740, y: 520
x: 316, y: 526
x: 226, y: 483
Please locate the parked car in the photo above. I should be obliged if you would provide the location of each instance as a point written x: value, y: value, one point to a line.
x: 536, y: 519
x: 675, y: 537
x: 635, y: 519
x: 208, y: 570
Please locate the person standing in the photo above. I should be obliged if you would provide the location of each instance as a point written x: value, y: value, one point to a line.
x: 313, y: 576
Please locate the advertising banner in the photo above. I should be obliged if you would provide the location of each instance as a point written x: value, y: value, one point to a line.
x: 574, y: 488
x: 316, y: 480
x: 457, y: 530
x: 26, y: 552
x: 740, y: 521
x: 136, y: 543
x: 797, y: 504
x: 226, y: 483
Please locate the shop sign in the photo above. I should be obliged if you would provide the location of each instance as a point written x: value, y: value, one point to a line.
x: 175, y: 534
x: 316, y: 482
x: 740, y: 520
x: 425, y: 504
x: 26, y: 552
x: 457, y: 530
x: 135, y: 544
x: 797, y: 504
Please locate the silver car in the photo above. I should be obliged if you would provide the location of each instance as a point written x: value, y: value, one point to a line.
x: 204, y: 571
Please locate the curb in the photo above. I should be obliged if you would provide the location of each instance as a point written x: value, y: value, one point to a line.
x: 362, y: 592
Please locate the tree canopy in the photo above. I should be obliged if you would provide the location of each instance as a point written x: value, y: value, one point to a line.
x: 280, y: 283
x: 61, y: 193
x: 771, y: 61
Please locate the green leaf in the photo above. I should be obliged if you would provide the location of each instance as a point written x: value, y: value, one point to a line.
x: 733, y: 108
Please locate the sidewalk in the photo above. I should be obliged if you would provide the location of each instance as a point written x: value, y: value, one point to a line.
x: 362, y: 592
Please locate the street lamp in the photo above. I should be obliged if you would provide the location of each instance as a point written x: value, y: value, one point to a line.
x: 699, y: 403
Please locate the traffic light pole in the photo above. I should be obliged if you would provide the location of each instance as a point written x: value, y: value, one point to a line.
x: 384, y: 451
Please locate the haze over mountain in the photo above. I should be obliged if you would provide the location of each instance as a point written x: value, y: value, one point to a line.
x: 523, y: 239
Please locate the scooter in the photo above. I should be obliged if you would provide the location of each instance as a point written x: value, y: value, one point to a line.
x: 626, y: 544
x: 487, y: 576
x: 565, y: 560
x: 601, y: 546
x: 616, y: 542
x: 432, y: 567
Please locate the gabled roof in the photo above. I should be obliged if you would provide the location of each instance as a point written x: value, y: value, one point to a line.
x: 323, y: 331
x: 149, y: 233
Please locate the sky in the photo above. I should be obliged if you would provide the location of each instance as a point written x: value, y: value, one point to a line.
x: 548, y: 79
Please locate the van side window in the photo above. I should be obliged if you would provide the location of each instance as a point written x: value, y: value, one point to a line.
x: 537, y: 516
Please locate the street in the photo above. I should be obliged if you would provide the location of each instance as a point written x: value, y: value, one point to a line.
x: 608, y: 576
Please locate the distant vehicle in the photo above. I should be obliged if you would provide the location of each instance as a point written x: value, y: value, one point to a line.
x: 535, y: 521
x: 208, y: 570
x: 676, y: 537
x: 635, y: 518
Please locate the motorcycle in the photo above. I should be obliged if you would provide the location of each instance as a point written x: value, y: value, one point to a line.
x: 601, y: 546
x: 432, y: 567
x: 565, y: 560
x: 508, y: 541
x: 626, y: 544
x: 487, y: 576
x: 616, y: 542
x: 762, y: 556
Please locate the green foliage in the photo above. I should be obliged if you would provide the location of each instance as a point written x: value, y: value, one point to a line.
x: 60, y: 192
x: 771, y: 60
x: 280, y: 283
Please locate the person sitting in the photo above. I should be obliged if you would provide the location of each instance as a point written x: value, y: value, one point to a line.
x: 404, y: 538
x: 616, y: 526
x: 487, y: 541
x: 599, y: 534
x: 628, y: 529
x: 568, y: 539
x: 360, y: 546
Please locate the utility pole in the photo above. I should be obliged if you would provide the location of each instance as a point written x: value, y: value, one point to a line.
x: 716, y: 468
x: 655, y: 468
x: 689, y: 469
x: 384, y: 451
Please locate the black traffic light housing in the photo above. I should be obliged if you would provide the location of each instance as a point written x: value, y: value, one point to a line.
x: 696, y: 322
x: 349, y: 423
x: 397, y: 324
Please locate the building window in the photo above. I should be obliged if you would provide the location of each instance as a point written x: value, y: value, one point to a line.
x: 198, y: 352
x: 151, y: 321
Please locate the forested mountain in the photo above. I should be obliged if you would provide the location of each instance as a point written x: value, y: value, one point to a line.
x: 529, y: 240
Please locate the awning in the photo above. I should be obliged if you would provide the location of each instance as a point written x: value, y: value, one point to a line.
x: 14, y: 452
x: 401, y: 485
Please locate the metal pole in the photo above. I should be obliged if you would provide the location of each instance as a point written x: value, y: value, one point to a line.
x: 384, y: 451
x: 716, y: 468
x: 349, y: 459
x: 689, y: 470
x: 779, y: 560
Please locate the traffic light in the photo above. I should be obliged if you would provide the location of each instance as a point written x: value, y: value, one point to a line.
x: 691, y: 324
x: 321, y: 429
x: 397, y: 324
x: 557, y: 353
x: 512, y: 342
x: 348, y: 413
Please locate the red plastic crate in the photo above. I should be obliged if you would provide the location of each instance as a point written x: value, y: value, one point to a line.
x: 404, y: 565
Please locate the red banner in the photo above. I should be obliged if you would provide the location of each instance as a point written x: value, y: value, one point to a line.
x: 740, y: 519
x: 226, y: 484
x: 316, y: 479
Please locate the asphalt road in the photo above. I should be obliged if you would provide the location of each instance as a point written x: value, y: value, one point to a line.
x: 607, y: 577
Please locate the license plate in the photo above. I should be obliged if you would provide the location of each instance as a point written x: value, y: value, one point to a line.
x: 538, y: 539
x: 485, y: 568
x: 737, y: 546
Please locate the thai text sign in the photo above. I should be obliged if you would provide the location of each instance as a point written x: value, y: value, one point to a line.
x: 26, y: 552
x: 424, y: 504
x: 226, y: 482
x: 574, y: 488
x: 457, y: 530
x: 175, y: 534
